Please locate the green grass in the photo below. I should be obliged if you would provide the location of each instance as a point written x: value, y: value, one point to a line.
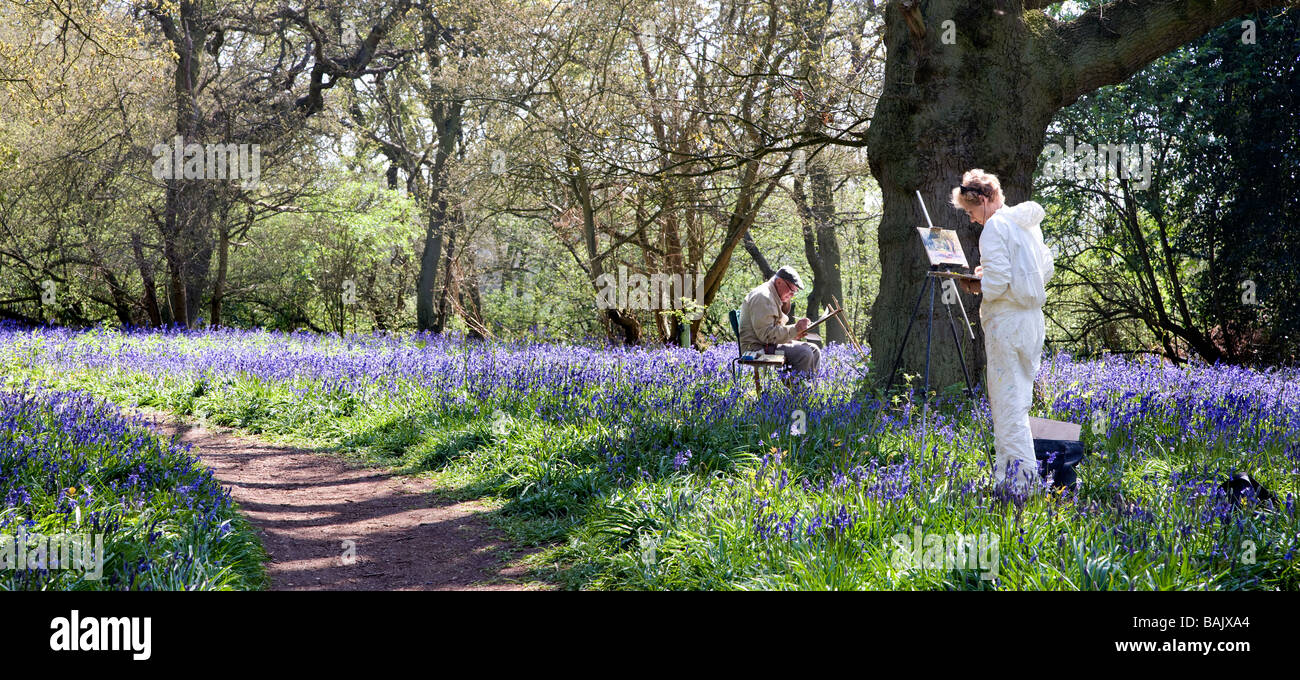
x: 641, y: 523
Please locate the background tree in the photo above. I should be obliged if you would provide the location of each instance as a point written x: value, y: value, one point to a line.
x: 247, y: 73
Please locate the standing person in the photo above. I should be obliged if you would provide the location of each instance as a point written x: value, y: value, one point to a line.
x: 1015, y: 267
x: 764, y: 324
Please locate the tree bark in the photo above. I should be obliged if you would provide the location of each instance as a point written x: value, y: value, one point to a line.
x: 752, y: 248
x: 430, y: 258
x: 146, y: 278
x: 440, y: 321
x: 619, y: 326
x: 445, y: 114
x: 187, y: 26
x: 821, y: 247
x: 817, y: 218
x: 121, y: 304
x: 219, y: 286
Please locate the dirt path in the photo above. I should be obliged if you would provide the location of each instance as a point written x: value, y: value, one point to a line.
x: 306, y: 505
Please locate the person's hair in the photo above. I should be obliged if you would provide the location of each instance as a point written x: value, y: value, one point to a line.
x: 974, y: 184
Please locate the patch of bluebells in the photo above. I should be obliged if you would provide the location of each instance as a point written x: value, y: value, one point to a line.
x: 1158, y: 417
x: 70, y: 463
x: 795, y: 528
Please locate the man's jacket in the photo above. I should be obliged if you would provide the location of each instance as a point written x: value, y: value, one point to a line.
x: 761, y: 320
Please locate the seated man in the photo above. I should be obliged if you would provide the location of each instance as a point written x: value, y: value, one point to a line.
x: 764, y: 324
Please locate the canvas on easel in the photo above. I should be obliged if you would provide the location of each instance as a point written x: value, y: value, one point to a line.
x: 942, y: 246
x: 944, y: 250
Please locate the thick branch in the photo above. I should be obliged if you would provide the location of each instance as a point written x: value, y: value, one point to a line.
x: 1109, y: 43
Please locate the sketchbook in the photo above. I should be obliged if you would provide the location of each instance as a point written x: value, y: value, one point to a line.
x: 822, y: 319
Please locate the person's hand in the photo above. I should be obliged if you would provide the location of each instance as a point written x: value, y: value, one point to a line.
x: 979, y: 271
x: 801, y: 325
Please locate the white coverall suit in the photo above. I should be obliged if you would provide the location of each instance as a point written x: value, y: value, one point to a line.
x: 1017, y: 266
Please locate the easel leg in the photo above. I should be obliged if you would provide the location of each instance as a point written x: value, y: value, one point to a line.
x: 929, y: 333
x: 907, y: 333
x: 925, y: 396
x: 961, y: 355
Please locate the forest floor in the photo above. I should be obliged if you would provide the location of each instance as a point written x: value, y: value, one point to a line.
x: 330, y: 526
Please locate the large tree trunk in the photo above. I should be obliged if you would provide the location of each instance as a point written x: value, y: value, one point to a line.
x: 188, y: 26
x: 174, y: 257
x: 186, y: 241
x: 934, y: 122
x: 448, y: 286
x: 985, y: 102
x: 187, y: 245
x: 447, y: 120
x: 445, y: 113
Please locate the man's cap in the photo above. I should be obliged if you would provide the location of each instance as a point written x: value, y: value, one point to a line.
x: 790, y: 275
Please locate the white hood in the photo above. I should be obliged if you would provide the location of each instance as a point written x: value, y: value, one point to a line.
x: 1025, y: 215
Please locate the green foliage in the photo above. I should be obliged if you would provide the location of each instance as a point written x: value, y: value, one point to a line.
x: 155, y: 517
x: 1196, y: 263
x: 347, y: 260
